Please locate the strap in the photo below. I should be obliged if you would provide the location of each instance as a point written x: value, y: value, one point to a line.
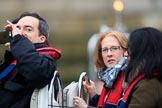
x: 45, y: 97
x: 74, y: 89
x: 53, y: 94
x: 127, y: 93
x: 83, y: 77
x: 7, y: 70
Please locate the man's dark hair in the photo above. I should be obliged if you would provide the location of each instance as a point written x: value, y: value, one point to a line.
x: 43, y: 26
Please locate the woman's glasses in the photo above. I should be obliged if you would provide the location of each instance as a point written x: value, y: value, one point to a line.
x: 112, y: 49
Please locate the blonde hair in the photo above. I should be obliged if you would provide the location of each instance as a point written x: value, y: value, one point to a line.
x: 98, y: 60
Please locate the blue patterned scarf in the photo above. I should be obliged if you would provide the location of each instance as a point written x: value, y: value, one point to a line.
x: 109, y: 75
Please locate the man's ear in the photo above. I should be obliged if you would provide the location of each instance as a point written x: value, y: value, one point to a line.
x: 42, y: 38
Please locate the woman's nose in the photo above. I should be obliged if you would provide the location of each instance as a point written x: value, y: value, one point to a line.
x: 109, y: 53
x: 126, y: 54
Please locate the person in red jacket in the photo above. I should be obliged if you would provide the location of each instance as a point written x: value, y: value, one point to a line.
x: 29, y: 62
x: 109, y: 62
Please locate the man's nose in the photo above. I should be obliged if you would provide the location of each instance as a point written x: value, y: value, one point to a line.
x: 22, y: 32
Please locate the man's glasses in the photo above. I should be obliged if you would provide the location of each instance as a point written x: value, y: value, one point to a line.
x: 112, y: 49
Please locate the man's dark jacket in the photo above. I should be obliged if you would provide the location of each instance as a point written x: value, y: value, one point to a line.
x: 33, y: 70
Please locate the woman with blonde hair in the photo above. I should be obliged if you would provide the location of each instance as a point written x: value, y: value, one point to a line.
x: 109, y: 61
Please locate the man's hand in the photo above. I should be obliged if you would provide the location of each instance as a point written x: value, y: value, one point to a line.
x: 13, y: 28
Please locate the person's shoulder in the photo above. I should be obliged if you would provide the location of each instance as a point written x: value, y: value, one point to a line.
x: 148, y: 91
x: 151, y: 87
x: 150, y: 83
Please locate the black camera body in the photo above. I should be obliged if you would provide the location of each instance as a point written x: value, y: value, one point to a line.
x: 5, y: 36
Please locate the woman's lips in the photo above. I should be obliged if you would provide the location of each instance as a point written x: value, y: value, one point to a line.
x: 111, y: 61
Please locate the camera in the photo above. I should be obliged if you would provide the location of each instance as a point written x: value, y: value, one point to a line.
x: 5, y: 36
